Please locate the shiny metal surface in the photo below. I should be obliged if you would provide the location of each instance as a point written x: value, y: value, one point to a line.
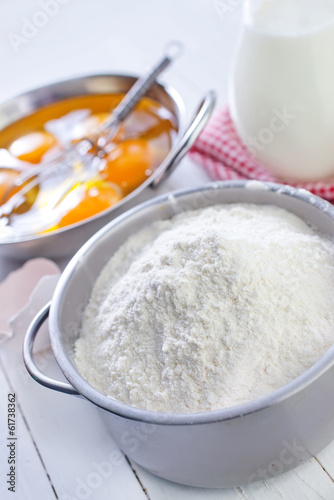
x: 199, y: 121
x: 30, y: 178
x: 66, y: 241
x: 223, y: 448
x: 28, y: 357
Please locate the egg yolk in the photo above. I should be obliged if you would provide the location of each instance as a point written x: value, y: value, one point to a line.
x: 129, y: 164
x: 125, y: 160
x: 89, y: 199
x: 32, y: 147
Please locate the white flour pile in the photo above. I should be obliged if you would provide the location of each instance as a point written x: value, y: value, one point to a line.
x: 210, y: 309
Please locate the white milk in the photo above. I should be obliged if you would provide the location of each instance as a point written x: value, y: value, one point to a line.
x: 282, y: 86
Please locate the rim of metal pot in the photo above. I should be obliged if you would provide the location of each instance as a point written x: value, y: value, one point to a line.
x: 164, y: 418
x: 181, y: 117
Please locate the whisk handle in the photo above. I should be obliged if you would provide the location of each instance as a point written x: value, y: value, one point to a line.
x: 172, y: 51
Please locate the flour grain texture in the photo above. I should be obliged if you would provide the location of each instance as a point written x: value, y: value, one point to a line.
x: 210, y: 309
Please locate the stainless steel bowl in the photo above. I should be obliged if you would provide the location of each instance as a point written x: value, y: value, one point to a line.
x: 223, y: 448
x: 66, y: 241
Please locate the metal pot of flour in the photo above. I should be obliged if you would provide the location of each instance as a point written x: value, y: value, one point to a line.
x: 223, y: 448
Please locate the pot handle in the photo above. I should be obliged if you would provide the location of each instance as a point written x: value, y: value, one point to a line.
x: 28, y: 357
x: 196, y: 126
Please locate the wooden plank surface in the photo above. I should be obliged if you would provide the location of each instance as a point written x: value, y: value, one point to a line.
x: 31, y: 477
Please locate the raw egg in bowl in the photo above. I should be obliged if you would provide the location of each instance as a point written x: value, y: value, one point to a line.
x: 41, y: 124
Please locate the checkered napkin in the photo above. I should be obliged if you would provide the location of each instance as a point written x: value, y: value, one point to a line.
x: 221, y: 152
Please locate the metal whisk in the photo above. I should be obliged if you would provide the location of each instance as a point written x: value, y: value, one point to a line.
x: 83, y: 156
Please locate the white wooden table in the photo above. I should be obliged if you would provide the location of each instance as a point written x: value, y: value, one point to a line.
x: 61, y: 442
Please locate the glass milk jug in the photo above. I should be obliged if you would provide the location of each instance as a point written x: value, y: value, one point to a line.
x: 281, y: 90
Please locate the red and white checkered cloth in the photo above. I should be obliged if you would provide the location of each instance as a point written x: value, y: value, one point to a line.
x: 221, y: 152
